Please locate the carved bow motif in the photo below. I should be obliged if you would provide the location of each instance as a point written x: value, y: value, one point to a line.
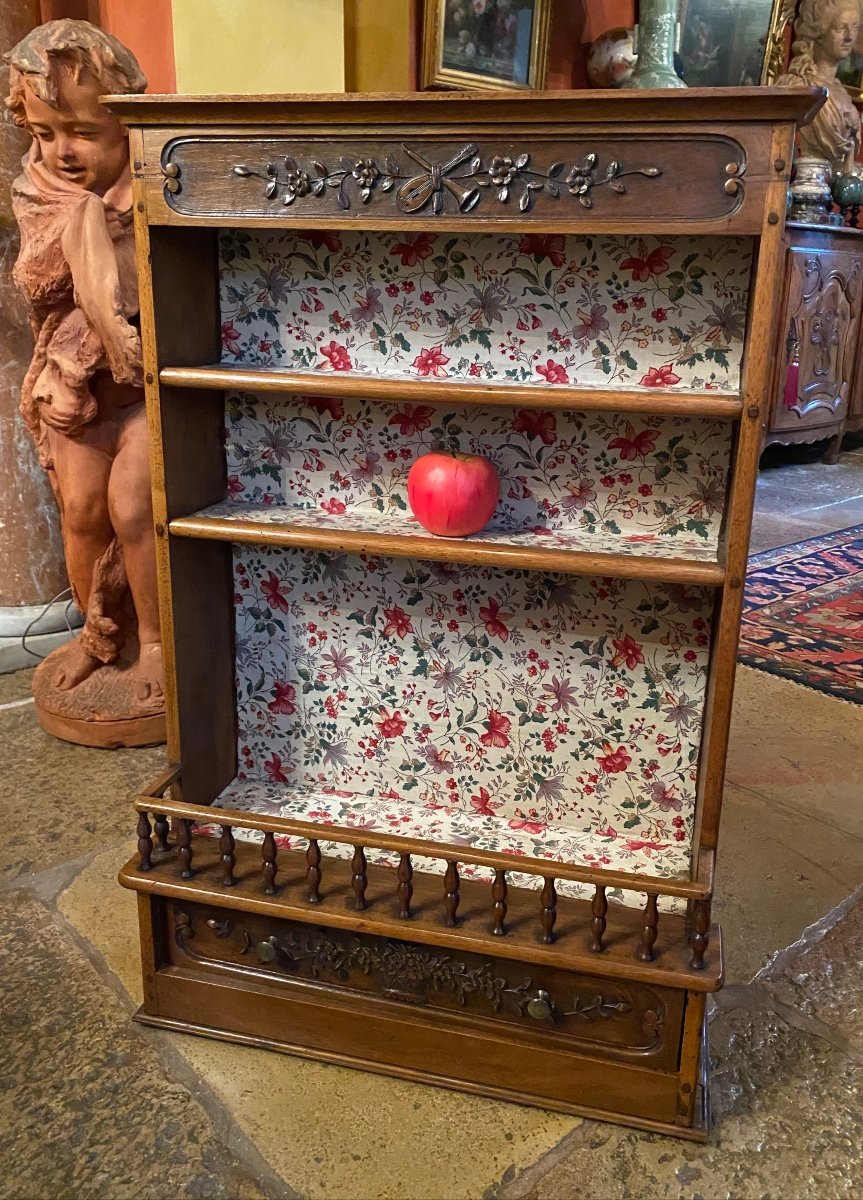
x: 504, y: 173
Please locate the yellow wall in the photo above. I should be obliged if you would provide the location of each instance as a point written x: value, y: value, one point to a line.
x: 259, y: 45
x: 378, y: 45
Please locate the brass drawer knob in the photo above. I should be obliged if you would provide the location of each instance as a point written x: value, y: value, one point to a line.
x: 266, y: 951
x: 541, y: 1007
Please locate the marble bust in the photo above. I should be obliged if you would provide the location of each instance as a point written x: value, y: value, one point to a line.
x: 824, y: 34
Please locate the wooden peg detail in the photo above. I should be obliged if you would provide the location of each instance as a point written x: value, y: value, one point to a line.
x: 313, y: 871
x: 598, y: 907
x: 270, y: 866
x: 548, y: 914
x: 359, y: 877
x: 161, y: 828
x: 700, y: 934
x: 406, y: 887
x: 649, y: 929
x: 499, y: 891
x: 229, y: 860
x: 451, y: 893
x: 186, y: 870
x: 145, y: 843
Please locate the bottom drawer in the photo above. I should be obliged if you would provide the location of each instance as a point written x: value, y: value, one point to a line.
x: 632, y: 1022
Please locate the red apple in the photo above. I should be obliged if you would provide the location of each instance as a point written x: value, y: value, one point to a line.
x: 453, y: 494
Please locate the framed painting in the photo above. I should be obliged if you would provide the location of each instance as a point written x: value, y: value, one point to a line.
x: 482, y: 44
x: 733, y: 43
x: 850, y: 70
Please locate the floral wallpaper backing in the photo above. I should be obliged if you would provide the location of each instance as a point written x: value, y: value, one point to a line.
x: 542, y: 308
x: 530, y: 700
x: 549, y: 715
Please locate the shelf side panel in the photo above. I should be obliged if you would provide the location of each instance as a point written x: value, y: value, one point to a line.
x: 189, y: 471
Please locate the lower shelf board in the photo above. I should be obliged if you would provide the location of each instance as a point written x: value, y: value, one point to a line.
x: 668, y: 861
x: 522, y: 942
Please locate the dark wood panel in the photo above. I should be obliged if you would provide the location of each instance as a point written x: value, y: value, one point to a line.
x: 528, y: 176
x: 361, y: 1031
x: 823, y: 307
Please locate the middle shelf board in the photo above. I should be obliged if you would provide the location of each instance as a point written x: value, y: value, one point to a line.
x: 409, y: 389
x: 399, y: 536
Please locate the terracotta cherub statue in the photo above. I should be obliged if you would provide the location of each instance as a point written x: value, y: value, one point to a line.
x: 82, y: 398
x: 824, y: 34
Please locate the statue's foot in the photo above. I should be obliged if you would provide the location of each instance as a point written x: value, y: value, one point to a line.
x: 149, y: 676
x: 74, y: 665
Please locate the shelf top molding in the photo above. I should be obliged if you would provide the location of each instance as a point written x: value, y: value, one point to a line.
x: 699, y: 160
x: 509, y: 394
x: 605, y: 107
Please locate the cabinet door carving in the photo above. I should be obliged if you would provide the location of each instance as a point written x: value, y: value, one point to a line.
x: 823, y: 308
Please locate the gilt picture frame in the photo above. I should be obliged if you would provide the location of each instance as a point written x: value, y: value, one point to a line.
x: 477, y: 45
x: 733, y: 43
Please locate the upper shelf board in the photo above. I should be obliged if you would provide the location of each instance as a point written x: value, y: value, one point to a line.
x: 665, y: 401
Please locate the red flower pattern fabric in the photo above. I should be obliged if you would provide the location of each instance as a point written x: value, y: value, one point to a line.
x: 423, y: 697
x: 556, y: 310
x: 337, y: 357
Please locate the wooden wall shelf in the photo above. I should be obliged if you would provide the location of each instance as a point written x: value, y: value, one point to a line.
x: 554, y: 955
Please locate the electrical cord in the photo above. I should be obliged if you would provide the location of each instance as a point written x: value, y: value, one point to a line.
x: 60, y: 595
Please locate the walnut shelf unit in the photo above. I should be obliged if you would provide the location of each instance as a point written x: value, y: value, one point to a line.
x: 561, y: 953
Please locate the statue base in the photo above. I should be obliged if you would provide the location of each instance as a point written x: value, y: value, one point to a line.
x: 104, y: 710
x: 104, y: 735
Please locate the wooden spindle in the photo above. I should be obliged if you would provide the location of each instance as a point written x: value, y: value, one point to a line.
x: 452, y: 894
x: 406, y: 887
x: 269, y: 866
x: 313, y: 872
x: 599, y: 907
x: 548, y: 915
x: 161, y: 828
x: 186, y: 871
x: 229, y: 860
x: 359, y: 877
x: 498, y: 891
x: 145, y: 843
x: 649, y: 929
x: 700, y: 934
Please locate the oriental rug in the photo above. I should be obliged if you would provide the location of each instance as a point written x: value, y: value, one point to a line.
x: 803, y: 613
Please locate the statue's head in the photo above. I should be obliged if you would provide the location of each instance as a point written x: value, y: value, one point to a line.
x: 57, y: 74
x: 827, y: 29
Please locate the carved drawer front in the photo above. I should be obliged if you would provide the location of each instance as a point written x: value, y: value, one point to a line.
x: 307, y: 180
x: 823, y: 316
x: 628, y: 1021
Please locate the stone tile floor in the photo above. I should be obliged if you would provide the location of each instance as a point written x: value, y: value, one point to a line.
x: 92, y: 1105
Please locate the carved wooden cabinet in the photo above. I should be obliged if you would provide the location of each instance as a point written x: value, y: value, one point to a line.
x: 449, y: 808
x: 821, y: 319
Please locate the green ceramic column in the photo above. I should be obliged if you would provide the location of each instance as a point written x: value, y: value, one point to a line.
x: 656, y: 35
